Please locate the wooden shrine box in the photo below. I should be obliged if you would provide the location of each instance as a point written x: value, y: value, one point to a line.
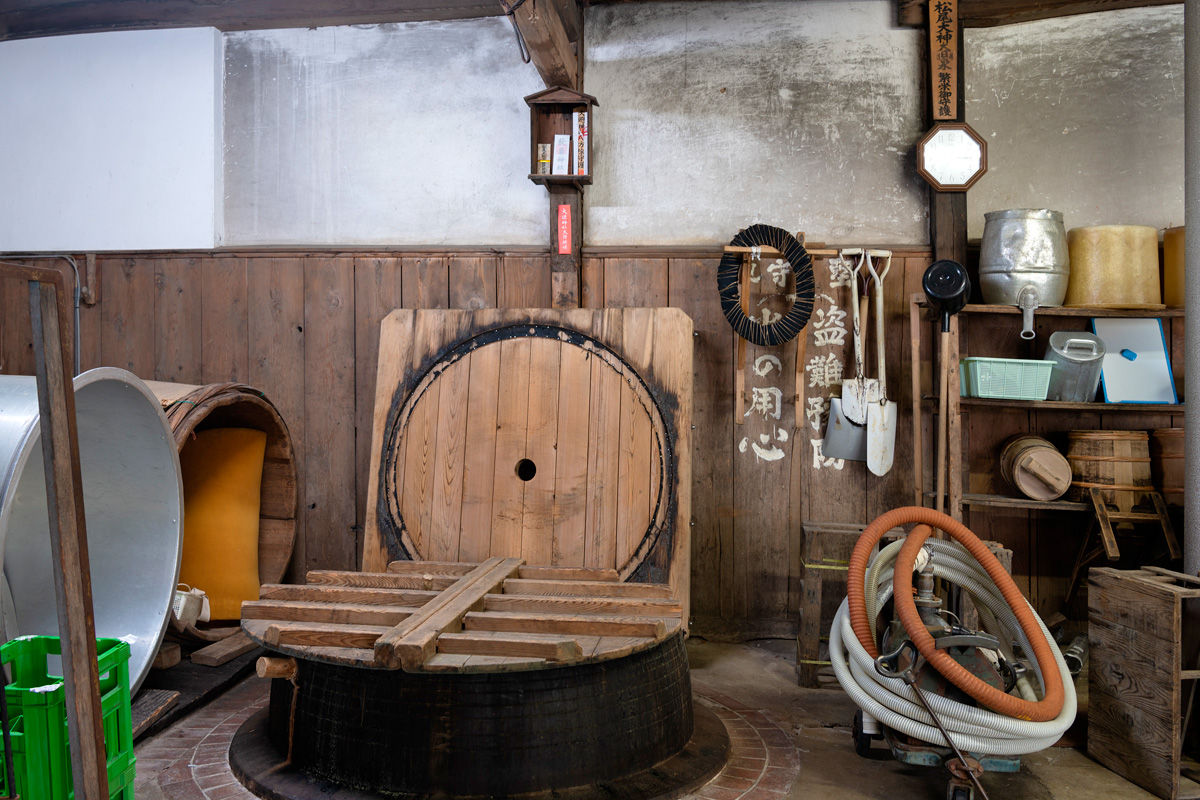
x: 550, y: 113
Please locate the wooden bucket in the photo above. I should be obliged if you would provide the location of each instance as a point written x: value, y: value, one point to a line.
x: 1166, y: 463
x: 1034, y: 467
x: 1116, y: 462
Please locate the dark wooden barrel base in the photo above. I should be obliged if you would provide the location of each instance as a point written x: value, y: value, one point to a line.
x: 265, y: 772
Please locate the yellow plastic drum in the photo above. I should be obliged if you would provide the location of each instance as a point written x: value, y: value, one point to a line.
x: 1114, y: 266
x: 1173, y: 267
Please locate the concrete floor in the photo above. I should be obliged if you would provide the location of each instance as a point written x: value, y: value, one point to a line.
x: 762, y: 675
x: 788, y: 743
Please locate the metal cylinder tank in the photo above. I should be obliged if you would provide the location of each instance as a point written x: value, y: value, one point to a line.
x: 133, y: 504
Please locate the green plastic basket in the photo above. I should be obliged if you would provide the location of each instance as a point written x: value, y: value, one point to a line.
x: 37, y: 712
x: 1005, y: 378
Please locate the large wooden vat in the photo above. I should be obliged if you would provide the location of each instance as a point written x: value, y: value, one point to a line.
x: 1166, y: 463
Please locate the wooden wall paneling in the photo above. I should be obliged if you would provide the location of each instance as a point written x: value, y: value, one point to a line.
x: 895, y: 489
x: 635, y: 282
x: 89, y: 320
x: 473, y: 282
x: 512, y: 419
x: 178, y: 313
x: 329, y: 413
x: 692, y: 288
x: 1175, y: 341
x: 574, y: 418
x: 275, y: 290
x: 524, y: 282
x: 16, y: 333
x: 541, y: 448
x: 127, y: 316
x: 425, y: 283
x: 765, y: 443
x: 376, y: 292
x: 224, y: 325
x: 591, y: 293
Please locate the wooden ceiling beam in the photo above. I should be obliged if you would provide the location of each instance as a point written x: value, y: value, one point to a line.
x: 990, y: 13
x: 23, y: 19
x: 550, y: 48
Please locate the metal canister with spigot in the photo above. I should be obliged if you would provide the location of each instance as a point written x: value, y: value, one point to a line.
x: 1023, y: 261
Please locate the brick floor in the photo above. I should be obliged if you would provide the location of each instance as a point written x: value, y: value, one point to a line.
x: 189, y: 760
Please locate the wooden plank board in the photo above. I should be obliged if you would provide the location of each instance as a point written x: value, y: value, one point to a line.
x: 642, y: 607
x: 571, y: 466
x: 565, y: 623
x: 479, y: 469
x: 600, y: 531
x: 275, y: 290
x: 224, y: 651
x: 636, y: 282
x: 635, y: 449
x: 381, y: 580
x: 316, y: 634
x: 329, y: 507
x: 224, y: 325
x: 340, y: 594
x: 149, y: 706
x: 333, y: 613
x: 589, y: 588
x: 512, y: 418
x: 449, y: 457
x: 541, y: 448
x: 411, y: 642
x: 425, y: 283
x: 513, y: 645
x: 525, y: 282
x: 568, y: 573
x: 430, y: 567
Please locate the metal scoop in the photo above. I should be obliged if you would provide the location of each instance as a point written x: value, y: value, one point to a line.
x: 881, y: 412
x: 845, y: 438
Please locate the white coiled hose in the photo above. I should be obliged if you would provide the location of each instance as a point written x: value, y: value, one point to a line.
x: 893, y: 702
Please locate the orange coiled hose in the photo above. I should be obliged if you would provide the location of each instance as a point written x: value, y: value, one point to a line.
x: 1045, y: 709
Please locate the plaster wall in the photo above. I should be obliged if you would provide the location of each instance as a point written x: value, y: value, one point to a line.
x: 1081, y: 114
x: 109, y: 141
x: 411, y: 133
x: 717, y: 115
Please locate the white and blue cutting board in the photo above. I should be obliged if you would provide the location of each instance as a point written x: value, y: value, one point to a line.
x: 1136, y: 368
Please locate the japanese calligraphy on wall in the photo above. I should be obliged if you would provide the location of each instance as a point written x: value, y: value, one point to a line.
x: 943, y: 50
x: 824, y: 369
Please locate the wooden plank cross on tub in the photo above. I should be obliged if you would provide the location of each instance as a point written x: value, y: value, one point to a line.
x: 437, y: 616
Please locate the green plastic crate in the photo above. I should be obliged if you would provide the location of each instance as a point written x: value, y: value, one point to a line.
x: 37, y: 712
x: 1005, y: 378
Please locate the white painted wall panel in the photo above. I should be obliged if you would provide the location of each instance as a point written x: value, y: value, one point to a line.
x: 717, y: 115
x: 1082, y: 114
x: 398, y: 134
x: 109, y: 141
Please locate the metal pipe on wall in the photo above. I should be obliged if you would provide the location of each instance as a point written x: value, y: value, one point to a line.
x: 1191, y: 496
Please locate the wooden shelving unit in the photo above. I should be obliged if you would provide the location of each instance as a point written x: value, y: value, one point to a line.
x: 550, y: 113
x: 957, y: 405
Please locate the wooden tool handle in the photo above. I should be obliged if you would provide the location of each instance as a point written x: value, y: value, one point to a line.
x: 943, y: 423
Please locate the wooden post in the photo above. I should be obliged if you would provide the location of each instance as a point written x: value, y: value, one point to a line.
x: 566, y: 243
x: 68, y: 541
x: 947, y: 210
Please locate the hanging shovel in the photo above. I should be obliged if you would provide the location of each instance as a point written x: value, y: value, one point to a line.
x: 845, y: 438
x: 881, y: 413
x: 856, y: 391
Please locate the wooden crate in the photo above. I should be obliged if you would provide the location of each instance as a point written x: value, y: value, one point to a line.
x: 1139, y: 644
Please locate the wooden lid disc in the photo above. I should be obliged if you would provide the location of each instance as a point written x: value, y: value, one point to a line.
x: 1043, y: 474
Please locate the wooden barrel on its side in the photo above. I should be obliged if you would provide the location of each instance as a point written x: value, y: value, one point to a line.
x: 1034, y: 467
x: 234, y: 405
x: 1116, y: 462
x: 1166, y: 463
